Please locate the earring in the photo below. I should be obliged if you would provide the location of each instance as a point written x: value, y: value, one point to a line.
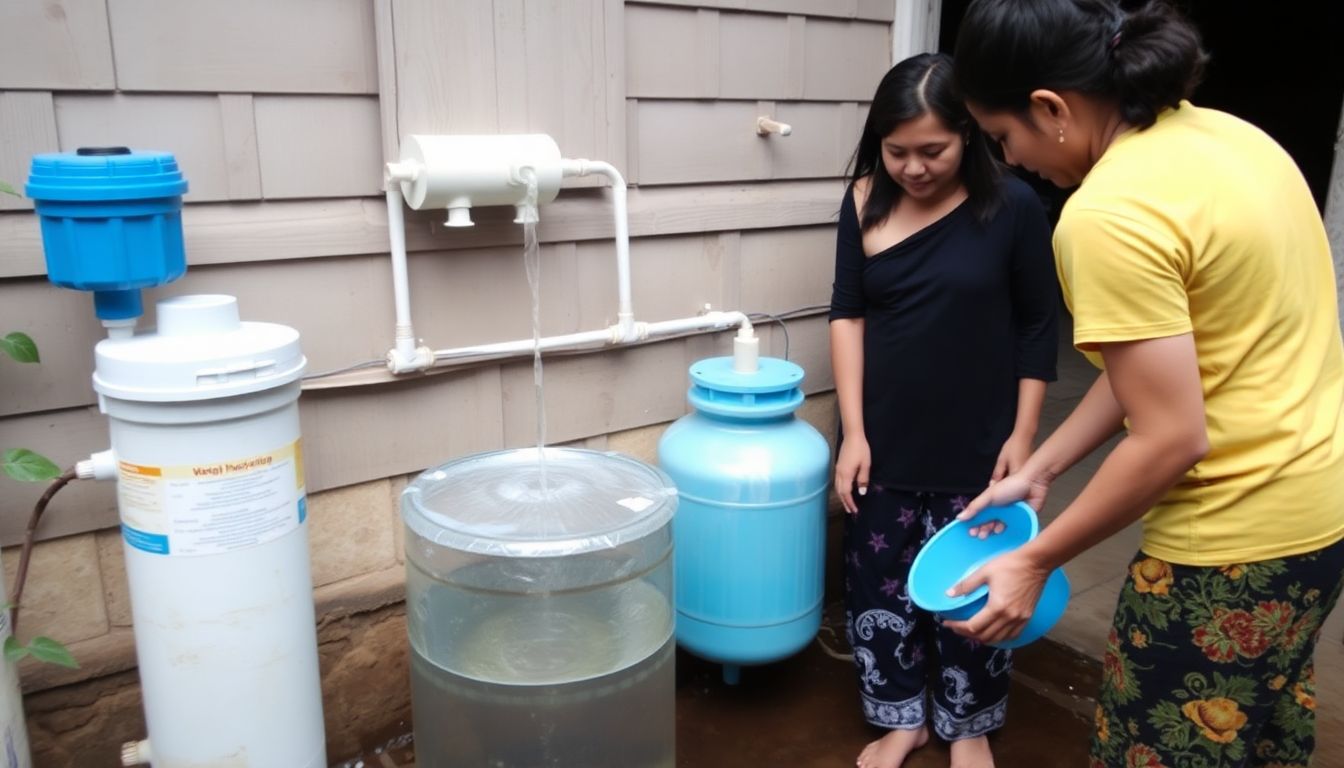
x: 1061, y: 135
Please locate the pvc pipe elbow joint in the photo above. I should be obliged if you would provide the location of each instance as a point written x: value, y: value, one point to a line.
x: 419, y: 359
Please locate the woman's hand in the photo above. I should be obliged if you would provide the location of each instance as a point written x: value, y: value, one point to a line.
x: 1026, y: 485
x: 1015, y: 582
x: 1012, y: 457
x: 851, y: 469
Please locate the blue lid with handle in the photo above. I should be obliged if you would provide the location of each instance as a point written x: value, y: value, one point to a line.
x: 111, y: 221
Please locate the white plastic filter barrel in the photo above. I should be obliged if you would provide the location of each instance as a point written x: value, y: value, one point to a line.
x: 204, y: 423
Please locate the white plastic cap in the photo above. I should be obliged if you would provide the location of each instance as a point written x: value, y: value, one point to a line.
x: 200, y: 351
x: 459, y: 217
x: 746, y: 350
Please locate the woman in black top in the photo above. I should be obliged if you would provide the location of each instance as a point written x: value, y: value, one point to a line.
x: 942, y: 340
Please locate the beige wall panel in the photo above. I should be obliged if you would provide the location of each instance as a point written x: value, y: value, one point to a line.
x: 445, y: 86
x: 64, y: 437
x: 55, y: 44
x: 845, y: 59
x: 540, y: 66
x: 319, y: 146
x: 462, y: 298
x: 785, y: 269
x: 810, y: 347
x: 674, y: 277
x: 27, y: 127
x: 756, y: 58
x: 685, y: 141
x: 363, y: 434
x: 189, y: 126
x: 567, y: 76
x: 238, y: 115
x: 661, y: 51
x: 257, y: 46
x: 876, y: 10
x: 824, y: 135
x: 62, y: 324
x: 301, y: 229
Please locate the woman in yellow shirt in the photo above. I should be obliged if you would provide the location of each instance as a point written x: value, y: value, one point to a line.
x: 1199, y: 275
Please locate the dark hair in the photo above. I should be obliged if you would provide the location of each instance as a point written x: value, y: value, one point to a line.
x: 915, y: 87
x: 1142, y: 61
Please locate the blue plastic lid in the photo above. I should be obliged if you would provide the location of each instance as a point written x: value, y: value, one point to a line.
x: 773, y: 390
x: 104, y: 173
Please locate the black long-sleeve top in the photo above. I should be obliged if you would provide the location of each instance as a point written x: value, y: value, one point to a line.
x: 954, y: 316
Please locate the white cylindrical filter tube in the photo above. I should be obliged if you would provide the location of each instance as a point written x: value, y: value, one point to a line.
x: 458, y: 172
x: 204, y: 423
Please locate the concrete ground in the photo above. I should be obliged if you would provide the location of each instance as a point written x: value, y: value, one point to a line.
x: 804, y: 712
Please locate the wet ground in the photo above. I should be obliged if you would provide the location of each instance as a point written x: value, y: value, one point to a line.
x: 804, y: 713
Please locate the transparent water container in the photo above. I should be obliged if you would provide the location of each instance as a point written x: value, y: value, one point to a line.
x: 540, y: 611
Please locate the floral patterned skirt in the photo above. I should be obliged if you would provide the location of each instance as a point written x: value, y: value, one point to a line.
x: 1211, y: 667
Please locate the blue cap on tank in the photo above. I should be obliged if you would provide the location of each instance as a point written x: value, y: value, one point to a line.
x: 111, y: 221
x: 774, y: 390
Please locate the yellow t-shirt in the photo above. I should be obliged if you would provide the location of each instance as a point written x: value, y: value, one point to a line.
x: 1201, y: 223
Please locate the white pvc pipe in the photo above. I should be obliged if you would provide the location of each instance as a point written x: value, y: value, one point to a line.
x: 613, y: 335
x: 505, y: 348
x: 401, y: 289
x: 704, y: 322
x: 625, y: 313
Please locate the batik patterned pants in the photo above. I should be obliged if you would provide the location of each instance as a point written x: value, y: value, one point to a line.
x: 899, y: 647
x: 1210, y: 667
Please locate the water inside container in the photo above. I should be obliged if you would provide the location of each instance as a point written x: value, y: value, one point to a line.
x: 540, y: 616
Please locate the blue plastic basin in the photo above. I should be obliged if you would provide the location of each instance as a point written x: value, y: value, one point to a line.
x: 953, y: 554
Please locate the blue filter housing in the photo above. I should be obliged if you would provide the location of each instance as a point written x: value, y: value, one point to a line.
x: 750, y: 528
x: 111, y: 223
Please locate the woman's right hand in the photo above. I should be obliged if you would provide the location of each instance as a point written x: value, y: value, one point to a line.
x: 851, y: 469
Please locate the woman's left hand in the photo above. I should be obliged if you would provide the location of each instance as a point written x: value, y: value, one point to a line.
x: 1014, y: 453
x: 1015, y: 583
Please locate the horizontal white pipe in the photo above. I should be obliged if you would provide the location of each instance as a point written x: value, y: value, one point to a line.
x: 506, y: 348
x: 703, y: 322
x: 611, y: 336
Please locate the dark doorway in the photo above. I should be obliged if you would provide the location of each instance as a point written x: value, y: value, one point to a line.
x: 1277, y: 65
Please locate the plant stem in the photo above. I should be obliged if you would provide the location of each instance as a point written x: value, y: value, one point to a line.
x: 29, y: 535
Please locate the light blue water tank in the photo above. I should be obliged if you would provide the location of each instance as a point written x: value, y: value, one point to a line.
x: 750, y: 529
x: 111, y: 223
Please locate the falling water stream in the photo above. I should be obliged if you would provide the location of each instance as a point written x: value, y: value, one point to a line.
x: 532, y: 262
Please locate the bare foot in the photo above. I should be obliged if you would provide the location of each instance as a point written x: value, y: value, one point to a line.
x: 890, y: 751
x: 972, y: 753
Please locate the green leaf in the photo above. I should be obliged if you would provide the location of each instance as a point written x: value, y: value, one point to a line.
x: 20, y: 347
x: 14, y: 650
x: 28, y: 467
x: 8, y: 190
x: 46, y: 650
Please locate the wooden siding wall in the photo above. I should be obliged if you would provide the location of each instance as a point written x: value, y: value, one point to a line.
x: 273, y: 110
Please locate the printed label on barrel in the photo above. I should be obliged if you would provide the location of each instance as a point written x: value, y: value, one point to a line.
x: 206, y: 509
